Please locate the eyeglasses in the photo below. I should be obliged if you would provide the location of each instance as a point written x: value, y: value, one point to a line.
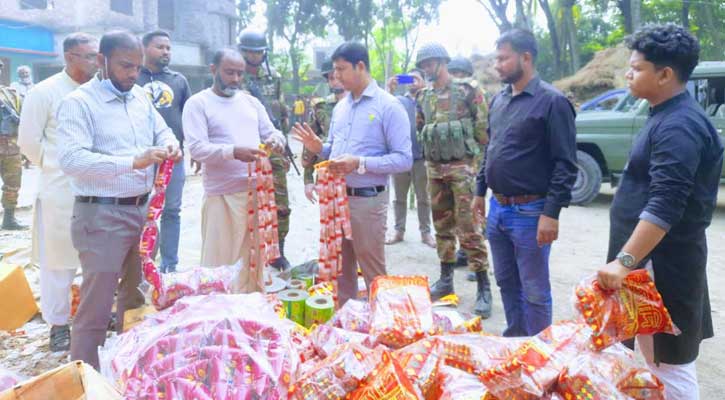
x: 87, y: 57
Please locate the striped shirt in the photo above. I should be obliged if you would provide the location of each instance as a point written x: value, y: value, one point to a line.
x: 100, y: 133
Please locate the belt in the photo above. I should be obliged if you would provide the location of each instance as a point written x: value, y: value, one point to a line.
x: 119, y: 201
x: 520, y: 199
x: 371, y: 191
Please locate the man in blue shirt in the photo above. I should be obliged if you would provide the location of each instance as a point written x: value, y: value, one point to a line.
x: 665, y: 202
x: 369, y: 139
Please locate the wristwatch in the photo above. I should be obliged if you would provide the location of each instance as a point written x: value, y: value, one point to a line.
x: 627, y: 260
x: 361, y: 166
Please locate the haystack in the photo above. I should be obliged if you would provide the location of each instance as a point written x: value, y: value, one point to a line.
x: 604, y: 72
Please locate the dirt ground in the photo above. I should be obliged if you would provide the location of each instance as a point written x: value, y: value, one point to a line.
x: 580, y: 249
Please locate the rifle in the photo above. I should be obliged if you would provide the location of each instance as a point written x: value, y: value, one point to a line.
x: 254, y: 91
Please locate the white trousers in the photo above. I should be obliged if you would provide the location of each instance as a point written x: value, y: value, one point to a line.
x: 55, y: 294
x: 680, y: 380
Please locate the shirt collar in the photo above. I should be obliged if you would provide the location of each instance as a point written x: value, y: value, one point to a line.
x: 669, y: 103
x: 530, y: 88
x: 368, y: 92
x: 164, y: 70
x: 68, y: 78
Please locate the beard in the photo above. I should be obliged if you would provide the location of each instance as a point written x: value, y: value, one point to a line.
x: 227, y: 90
x: 514, y: 76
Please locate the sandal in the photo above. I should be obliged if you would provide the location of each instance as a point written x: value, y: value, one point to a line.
x: 59, y: 338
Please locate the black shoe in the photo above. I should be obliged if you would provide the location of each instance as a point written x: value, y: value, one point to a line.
x: 444, y: 285
x: 10, y: 223
x: 483, y: 295
x: 461, y: 258
x: 59, y: 338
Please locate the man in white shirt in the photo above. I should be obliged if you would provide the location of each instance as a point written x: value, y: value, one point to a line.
x: 52, y: 246
x: 24, y: 82
x: 223, y: 128
x: 109, y: 138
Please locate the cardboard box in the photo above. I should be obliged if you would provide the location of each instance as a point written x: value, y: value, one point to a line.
x: 135, y: 316
x: 17, y: 304
x: 73, y: 381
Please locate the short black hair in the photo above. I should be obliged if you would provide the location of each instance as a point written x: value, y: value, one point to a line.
x: 221, y: 54
x: 352, y: 52
x: 667, y: 45
x: 521, y: 41
x: 76, y: 39
x: 116, y: 40
x: 147, y: 38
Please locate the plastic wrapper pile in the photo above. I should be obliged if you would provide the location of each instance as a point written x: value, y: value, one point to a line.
x: 9, y: 379
x: 391, y: 347
x: 204, y: 347
x: 168, y: 288
x: 614, y: 316
x: 334, y: 223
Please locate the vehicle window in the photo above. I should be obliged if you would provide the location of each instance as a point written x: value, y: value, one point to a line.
x: 628, y: 103
x: 709, y: 93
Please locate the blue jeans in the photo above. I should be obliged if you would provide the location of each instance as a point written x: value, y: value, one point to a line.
x: 171, y: 221
x: 521, y: 267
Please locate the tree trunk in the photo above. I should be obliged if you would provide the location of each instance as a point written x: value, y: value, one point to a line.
x: 626, y: 9
x: 636, y: 6
x: 685, y: 16
x: 295, y: 61
x: 497, y: 11
x: 570, y: 35
x: 521, y: 20
x: 554, y: 36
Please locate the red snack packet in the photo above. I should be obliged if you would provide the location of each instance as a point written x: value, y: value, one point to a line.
x: 387, y: 381
x: 533, y: 369
x: 326, y: 339
x: 614, y: 316
x: 454, y: 384
x: 613, y: 374
x: 401, y: 309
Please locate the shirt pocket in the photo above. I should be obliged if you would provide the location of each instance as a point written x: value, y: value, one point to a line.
x: 526, y: 131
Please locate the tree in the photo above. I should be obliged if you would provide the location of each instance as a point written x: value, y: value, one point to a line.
x: 685, y: 15
x: 496, y: 9
x: 554, y: 36
x: 568, y: 32
x: 296, y: 21
x: 245, y: 12
x: 353, y: 18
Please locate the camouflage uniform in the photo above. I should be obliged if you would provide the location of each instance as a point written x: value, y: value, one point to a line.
x: 451, y: 176
x: 321, y: 115
x: 10, y: 158
x: 270, y: 86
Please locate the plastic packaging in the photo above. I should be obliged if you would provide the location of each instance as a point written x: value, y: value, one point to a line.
x: 262, y: 212
x: 337, y: 375
x: 353, y: 316
x: 401, y: 310
x: 334, y: 223
x: 614, y: 316
x: 205, y: 347
x: 9, y: 379
x: 167, y: 288
x: 326, y: 339
x: 613, y: 374
x: 454, y: 384
x: 387, y: 381
x: 533, y: 368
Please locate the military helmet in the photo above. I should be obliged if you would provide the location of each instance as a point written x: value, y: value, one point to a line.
x: 326, y: 68
x: 252, y: 40
x: 461, y: 64
x: 431, y: 50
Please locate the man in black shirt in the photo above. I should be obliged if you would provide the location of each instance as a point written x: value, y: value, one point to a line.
x: 665, y: 201
x: 530, y: 166
x: 168, y: 91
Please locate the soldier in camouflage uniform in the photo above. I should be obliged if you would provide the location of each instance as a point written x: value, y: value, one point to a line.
x: 320, y: 123
x: 455, y: 120
x: 265, y: 83
x: 10, y: 159
x: 461, y: 69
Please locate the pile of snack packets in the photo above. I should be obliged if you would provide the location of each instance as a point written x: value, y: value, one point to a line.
x: 396, y: 345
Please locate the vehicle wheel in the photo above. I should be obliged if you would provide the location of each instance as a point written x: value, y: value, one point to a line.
x: 588, y: 179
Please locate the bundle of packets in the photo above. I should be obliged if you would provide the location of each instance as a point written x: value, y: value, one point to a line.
x: 614, y: 316
x: 168, y: 288
x: 205, y: 348
x: 613, y: 374
x: 401, y: 310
